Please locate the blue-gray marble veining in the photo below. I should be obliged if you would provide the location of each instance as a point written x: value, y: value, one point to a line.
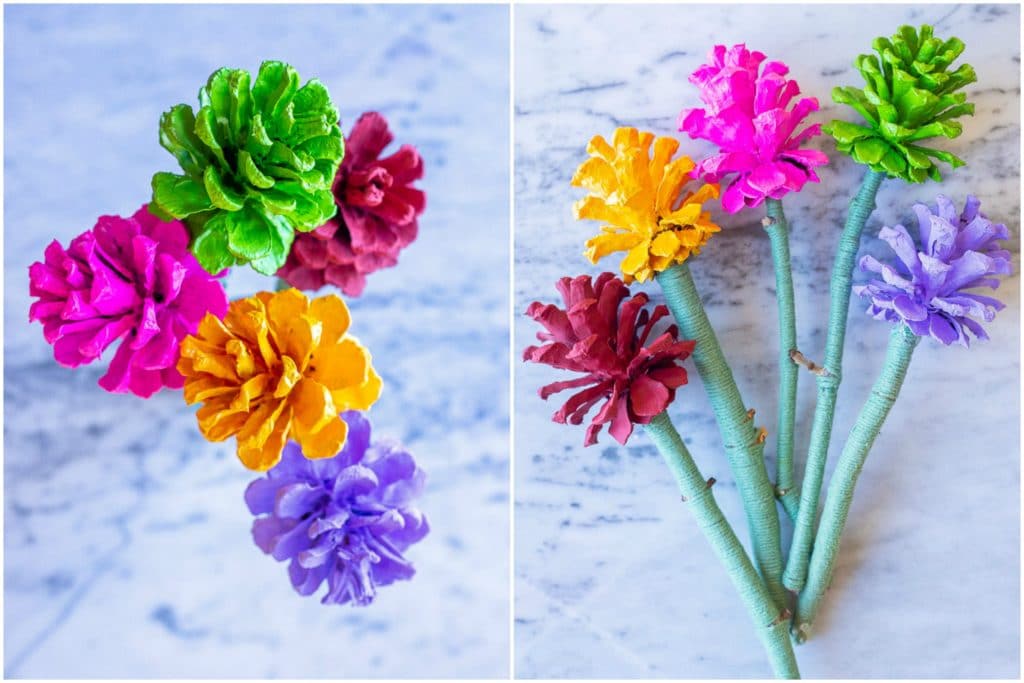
x: 127, y: 544
x: 613, y: 579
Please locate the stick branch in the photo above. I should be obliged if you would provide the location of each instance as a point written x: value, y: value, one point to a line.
x: 800, y: 359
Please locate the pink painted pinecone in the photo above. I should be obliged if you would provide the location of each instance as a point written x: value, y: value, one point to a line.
x: 131, y: 282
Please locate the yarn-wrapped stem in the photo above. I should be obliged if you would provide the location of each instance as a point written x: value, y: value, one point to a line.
x: 828, y: 382
x: 770, y: 622
x: 744, y: 444
x: 902, y: 343
x: 777, y: 228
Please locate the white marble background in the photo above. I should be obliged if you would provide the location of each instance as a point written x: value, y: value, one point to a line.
x: 127, y: 543
x: 613, y: 579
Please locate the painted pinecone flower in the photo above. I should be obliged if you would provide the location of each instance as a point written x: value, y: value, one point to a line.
x: 926, y: 287
x: 258, y: 165
x: 378, y: 211
x: 910, y: 96
x: 752, y: 113
x: 609, y: 343
x: 129, y: 282
x: 346, y: 520
x: 277, y: 366
x: 644, y: 199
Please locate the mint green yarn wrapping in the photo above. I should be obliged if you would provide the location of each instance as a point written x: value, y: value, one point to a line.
x: 828, y: 384
x: 743, y: 448
x: 778, y: 234
x: 768, y: 621
x: 865, y: 430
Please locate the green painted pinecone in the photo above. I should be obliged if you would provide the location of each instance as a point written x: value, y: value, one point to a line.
x: 910, y: 96
x: 258, y: 163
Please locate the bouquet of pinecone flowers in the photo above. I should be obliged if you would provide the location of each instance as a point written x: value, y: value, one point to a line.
x: 268, y: 181
x: 625, y: 363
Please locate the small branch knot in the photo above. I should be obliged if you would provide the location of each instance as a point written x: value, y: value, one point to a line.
x: 711, y: 482
x: 767, y: 222
x: 750, y: 414
x: 762, y: 435
x: 784, y: 616
x: 801, y: 359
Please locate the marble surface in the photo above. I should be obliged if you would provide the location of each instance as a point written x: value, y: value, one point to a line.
x: 127, y: 543
x: 612, y: 577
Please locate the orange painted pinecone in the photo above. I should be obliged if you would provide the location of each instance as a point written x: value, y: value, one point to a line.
x: 278, y: 366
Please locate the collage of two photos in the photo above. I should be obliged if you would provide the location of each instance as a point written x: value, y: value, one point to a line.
x: 512, y: 341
